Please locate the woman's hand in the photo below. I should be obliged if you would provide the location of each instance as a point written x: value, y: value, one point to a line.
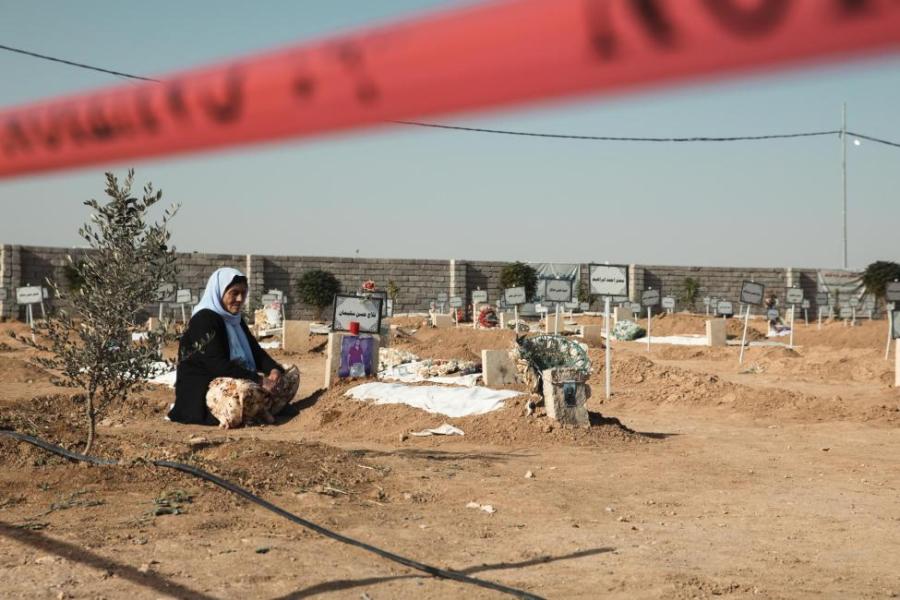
x: 269, y: 382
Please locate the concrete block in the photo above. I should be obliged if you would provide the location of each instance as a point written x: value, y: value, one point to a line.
x: 715, y: 332
x: 441, y: 321
x: 897, y: 363
x: 497, y: 368
x: 333, y: 357
x: 592, y: 335
x: 296, y: 336
x: 565, y: 393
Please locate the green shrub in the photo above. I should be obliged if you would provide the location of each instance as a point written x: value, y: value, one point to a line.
x: 877, y: 275
x: 690, y: 288
x: 518, y: 274
x: 318, y: 288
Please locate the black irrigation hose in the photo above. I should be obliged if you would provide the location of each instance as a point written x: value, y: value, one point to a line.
x: 227, y: 485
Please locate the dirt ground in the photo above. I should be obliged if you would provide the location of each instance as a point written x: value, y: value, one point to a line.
x: 777, y: 478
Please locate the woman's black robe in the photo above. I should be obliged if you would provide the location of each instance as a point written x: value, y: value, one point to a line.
x: 200, y: 363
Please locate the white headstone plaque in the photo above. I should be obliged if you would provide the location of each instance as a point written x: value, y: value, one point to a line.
x: 752, y: 293
x: 365, y: 311
x: 804, y: 304
x: 650, y: 297
x: 166, y: 292
x: 456, y: 302
x: 794, y: 296
x: 668, y: 303
x: 609, y: 280
x: 584, y: 306
x: 29, y: 295
x: 558, y: 290
x: 442, y: 297
x: 724, y: 308
x: 854, y: 302
x: 45, y: 294
x: 846, y: 312
x: 479, y: 297
x: 514, y: 295
x: 635, y: 308
x: 571, y: 305
x: 183, y: 297
x: 892, y: 291
x: 822, y: 299
x: 772, y: 314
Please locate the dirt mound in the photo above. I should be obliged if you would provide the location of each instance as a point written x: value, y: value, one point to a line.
x: 18, y: 370
x: 463, y: 343
x: 866, y: 334
x: 339, y: 416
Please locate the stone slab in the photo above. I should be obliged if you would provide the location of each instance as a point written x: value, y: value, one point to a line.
x: 621, y: 313
x: 333, y: 357
x: 716, y: 334
x: 498, y: 369
x: 441, y: 321
x: 565, y: 395
x: 592, y: 335
x: 296, y: 336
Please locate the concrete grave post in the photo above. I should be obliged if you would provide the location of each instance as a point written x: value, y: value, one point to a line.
x: 565, y: 393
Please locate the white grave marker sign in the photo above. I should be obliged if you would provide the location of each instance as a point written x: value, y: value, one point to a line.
x: 609, y: 280
x: 846, y: 312
x: 668, y: 303
x: 166, y: 292
x: 772, y: 314
x: 794, y: 296
x: 183, y: 297
x: 635, y: 308
x: 571, y: 305
x: 515, y: 295
x: 892, y: 291
x: 584, y: 306
x: 479, y: 297
x: 650, y: 297
x: 558, y: 290
x: 822, y: 298
x: 724, y: 308
x: 29, y: 295
x: 854, y: 302
x: 456, y: 302
x: 752, y: 293
x: 44, y: 293
x: 442, y: 297
x: 804, y: 304
x: 365, y: 311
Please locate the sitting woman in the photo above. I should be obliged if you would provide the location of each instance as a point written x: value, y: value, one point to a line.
x: 218, y: 377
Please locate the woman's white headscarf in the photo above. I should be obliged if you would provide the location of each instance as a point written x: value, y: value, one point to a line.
x: 238, y: 345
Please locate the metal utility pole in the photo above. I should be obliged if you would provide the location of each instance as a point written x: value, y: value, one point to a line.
x: 844, y: 165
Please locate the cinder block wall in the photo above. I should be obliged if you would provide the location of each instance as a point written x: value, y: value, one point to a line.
x: 419, y: 281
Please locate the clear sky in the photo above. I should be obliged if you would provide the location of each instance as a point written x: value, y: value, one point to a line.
x: 412, y: 192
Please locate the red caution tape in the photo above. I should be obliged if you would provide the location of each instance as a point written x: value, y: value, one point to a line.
x: 494, y: 54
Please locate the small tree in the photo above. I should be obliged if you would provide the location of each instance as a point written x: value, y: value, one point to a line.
x: 318, y: 288
x: 518, y: 274
x: 128, y: 261
x: 877, y: 275
x: 690, y: 287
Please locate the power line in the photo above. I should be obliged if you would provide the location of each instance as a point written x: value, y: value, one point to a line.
x: 76, y: 64
x: 608, y: 138
x: 874, y: 139
x: 599, y: 138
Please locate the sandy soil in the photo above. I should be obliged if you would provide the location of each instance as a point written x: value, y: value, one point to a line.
x: 777, y: 478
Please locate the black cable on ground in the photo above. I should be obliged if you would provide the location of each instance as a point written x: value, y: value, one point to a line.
x: 235, y: 489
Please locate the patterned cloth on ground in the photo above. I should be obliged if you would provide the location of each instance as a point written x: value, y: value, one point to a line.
x: 235, y: 402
